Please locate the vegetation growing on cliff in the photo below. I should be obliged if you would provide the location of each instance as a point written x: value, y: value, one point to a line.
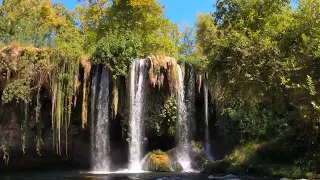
x: 259, y: 58
x: 45, y: 51
x: 33, y: 65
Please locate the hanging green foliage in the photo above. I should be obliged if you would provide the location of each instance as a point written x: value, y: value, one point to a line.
x: 162, y: 109
x: 33, y: 68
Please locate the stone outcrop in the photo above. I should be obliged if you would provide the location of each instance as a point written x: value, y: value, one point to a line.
x: 162, y: 162
x: 159, y: 162
x: 163, y: 68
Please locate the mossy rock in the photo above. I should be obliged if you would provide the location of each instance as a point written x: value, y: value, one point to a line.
x: 159, y: 163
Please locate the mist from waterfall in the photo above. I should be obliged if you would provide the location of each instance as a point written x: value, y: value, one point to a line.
x: 137, y: 105
x: 100, y: 159
x: 206, y: 117
x: 183, y: 127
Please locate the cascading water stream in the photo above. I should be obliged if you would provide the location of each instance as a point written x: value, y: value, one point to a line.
x: 93, y: 113
x: 100, y: 130
x: 183, y: 127
x: 137, y: 104
x: 191, y: 101
x: 206, y: 116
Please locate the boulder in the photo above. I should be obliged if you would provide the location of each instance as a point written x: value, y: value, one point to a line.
x: 159, y: 162
x: 162, y: 162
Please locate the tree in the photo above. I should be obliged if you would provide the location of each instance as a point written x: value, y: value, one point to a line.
x: 31, y: 22
x: 142, y: 18
x: 90, y: 15
x: 263, y: 54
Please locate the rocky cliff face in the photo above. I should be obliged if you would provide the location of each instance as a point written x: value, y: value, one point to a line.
x: 13, y: 157
x: 10, y: 136
x: 10, y: 132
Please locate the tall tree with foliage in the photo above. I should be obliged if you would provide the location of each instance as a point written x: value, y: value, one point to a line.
x: 141, y: 18
x: 261, y: 55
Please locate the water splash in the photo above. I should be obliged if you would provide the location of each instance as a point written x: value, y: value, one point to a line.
x: 144, y: 159
x: 137, y: 94
x: 206, y: 117
x: 183, y: 128
x: 100, y: 141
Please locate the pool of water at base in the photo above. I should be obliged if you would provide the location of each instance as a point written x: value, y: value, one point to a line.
x: 77, y: 175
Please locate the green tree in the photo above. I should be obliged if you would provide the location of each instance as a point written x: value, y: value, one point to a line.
x: 142, y: 18
x: 262, y: 53
x: 31, y: 22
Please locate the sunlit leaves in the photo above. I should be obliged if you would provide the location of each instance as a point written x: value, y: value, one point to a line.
x: 142, y: 18
x: 263, y: 52
x: 117, y: 50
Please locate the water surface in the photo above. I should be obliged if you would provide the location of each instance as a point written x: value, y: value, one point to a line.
x: 76, y: 175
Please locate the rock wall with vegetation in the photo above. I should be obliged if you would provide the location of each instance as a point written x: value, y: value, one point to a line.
x: 259, y: 60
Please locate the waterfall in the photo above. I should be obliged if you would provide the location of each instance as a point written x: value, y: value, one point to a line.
x: 206, y: 117
x: 183, y: 127
x: 191, y: 101
x: 100, y: 124
x: 93, y: 112
x: 137, y: 105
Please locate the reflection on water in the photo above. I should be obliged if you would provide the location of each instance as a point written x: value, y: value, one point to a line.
x: 119, y: 176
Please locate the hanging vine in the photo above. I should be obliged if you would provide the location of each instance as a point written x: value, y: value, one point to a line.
x: 159, y: 66
x: 64, y: 85
x: 199, y: 80
x: 24, y: 127
x: 86, y: 63
x: 54, y: 90
x: 39, y: 124
x: 115, y: 97
x: 6, y: 155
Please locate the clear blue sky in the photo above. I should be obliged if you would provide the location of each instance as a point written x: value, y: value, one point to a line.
x: 179, y: 11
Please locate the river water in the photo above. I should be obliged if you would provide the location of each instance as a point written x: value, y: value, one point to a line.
x: 77, y: 175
